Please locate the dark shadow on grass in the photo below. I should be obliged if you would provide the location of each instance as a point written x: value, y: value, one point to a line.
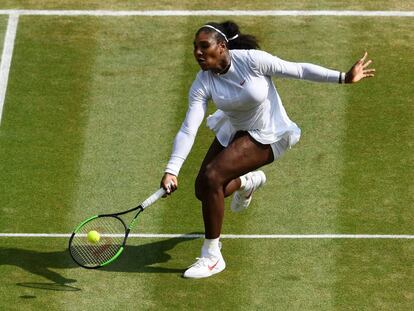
x: 139, y: 259
x: 145, y: 258
x: 48, y: 286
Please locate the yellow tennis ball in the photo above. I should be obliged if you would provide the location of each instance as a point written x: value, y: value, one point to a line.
x: 94, y: 236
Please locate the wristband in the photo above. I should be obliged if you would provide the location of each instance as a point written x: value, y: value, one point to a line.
x: 341, y: 77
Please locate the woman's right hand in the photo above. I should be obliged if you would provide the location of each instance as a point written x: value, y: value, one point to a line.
x: 169, y: 182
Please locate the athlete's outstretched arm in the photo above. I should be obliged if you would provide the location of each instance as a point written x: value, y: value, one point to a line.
x: 270, y: 65
x: 185, y: 137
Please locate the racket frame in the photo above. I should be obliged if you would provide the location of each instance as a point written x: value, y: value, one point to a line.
x: 149, y: 201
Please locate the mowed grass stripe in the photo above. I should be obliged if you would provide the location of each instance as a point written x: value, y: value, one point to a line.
x: 42, y: 127
x: 377, y: 182
x: 378, y: 187
x: 135, y: 96
x: 137, y: 92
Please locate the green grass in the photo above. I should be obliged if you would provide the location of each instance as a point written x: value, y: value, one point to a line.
x: 379, y: 137
x: 91, y: 111
x: 297, y: 275
x: 43, y: 119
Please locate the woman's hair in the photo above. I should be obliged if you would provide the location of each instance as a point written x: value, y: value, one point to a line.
x: 229, y: 33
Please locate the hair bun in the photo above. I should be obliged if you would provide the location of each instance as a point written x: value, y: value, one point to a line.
x: 231, y: 29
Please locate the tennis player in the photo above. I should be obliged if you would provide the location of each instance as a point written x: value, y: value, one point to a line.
x: 251, y: 126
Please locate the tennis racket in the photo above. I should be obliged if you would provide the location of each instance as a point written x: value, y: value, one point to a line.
x: 99, y: 240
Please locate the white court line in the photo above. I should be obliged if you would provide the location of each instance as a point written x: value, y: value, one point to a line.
x: 210, y: 13
x: 6, y: 57
x: 225, y: 236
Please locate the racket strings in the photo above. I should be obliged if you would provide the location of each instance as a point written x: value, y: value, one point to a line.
x: 93, y: 253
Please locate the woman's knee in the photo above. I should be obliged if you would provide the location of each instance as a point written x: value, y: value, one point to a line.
x: 207, y: 181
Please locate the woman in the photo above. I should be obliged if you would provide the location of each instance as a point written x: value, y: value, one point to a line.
x: 251, y: 126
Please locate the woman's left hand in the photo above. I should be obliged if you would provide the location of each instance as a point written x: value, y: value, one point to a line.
x: 359, y: 71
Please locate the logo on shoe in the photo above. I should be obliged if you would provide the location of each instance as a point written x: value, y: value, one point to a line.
x: 213, y: 266
x: 249, y: 194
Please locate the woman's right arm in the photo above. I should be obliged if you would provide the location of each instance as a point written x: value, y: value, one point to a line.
x: 184, y: 140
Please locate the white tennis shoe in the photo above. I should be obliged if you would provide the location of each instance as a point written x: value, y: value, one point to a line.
x: 242, y: 198
x: 205, y: 267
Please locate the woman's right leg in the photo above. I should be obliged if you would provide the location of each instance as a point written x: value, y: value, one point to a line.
x: 219, y: 176
x: 212, y: 152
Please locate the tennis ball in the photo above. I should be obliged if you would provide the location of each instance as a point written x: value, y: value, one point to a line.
x: 94, y: 236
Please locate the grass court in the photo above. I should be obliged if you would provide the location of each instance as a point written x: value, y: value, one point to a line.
x: 93, y: 104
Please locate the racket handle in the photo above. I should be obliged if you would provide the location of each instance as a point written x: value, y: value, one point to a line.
x: 154, y: 197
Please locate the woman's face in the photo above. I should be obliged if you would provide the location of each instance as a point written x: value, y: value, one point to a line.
x: 208, y: 52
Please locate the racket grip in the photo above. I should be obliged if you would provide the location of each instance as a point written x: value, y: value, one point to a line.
x: 154, y: 197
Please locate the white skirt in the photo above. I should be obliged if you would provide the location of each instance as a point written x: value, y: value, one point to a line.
x: 220, y: 124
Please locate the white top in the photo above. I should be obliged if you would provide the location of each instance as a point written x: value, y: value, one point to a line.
x: 246, y: 99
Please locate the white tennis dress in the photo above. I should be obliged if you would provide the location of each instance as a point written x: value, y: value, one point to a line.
x: 246, y: 99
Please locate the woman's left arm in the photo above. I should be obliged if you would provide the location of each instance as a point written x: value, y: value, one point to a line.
x: 270, y: 65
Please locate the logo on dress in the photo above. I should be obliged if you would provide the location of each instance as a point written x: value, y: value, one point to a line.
x: 244, y: 80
